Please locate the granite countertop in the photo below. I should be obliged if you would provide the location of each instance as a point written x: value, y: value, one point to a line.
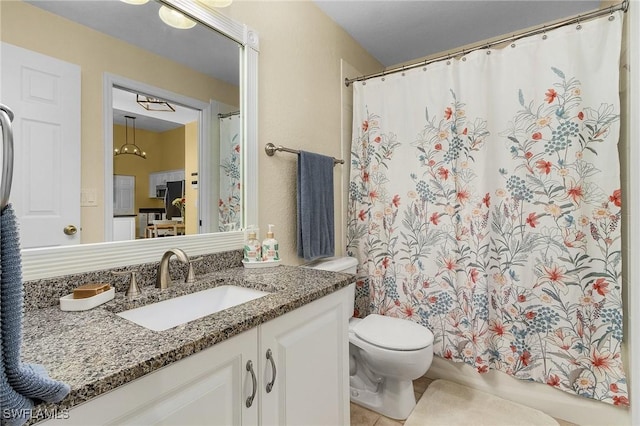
x: 96, y: 351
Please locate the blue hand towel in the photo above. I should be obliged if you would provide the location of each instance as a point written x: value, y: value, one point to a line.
x: 29, y: 381
x: 15, y: 408
x: 316, y: 234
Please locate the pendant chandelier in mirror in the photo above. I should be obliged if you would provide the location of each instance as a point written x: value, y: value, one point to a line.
x: 130, y: 148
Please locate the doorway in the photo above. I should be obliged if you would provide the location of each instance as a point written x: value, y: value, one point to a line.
x: 202, y: 113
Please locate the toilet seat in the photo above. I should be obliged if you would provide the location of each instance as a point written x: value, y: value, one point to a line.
x: 393, y: 333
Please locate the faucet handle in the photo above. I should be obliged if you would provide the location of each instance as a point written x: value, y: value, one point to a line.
x: 191, y: 276
x: 133, y: 289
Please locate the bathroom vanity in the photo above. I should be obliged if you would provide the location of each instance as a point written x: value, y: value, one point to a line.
x: 278, y: 359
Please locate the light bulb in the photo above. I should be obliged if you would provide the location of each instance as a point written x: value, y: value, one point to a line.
x: 175, y: 19
x: 216, y: 3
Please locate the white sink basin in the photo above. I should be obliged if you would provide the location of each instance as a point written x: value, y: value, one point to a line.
x: 163, y: 315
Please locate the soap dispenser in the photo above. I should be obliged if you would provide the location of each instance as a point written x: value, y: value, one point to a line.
x: 270, y: 247
x: 252, y: 248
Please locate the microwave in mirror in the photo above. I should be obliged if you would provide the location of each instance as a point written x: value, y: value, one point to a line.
x: 161, y: 191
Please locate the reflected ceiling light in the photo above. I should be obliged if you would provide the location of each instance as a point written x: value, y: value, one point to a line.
x: 154, y: 104
x: 216, y: 3
x: 175, y: 19
x: 129, y: 148
x: 136, y: 2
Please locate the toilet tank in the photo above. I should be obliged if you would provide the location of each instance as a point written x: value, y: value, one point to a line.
x: 346, y: 264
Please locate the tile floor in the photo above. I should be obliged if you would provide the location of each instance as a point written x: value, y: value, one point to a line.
x: 361, y: 416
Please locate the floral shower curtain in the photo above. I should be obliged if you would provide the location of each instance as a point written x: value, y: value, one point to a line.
x: 230, y: 201
x: 485, y: 205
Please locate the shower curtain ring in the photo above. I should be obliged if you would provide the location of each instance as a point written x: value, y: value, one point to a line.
x: 579, y: 26
x: 544, y: 32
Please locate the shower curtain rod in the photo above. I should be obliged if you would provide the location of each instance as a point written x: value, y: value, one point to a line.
x: 624, y: 6
x: 228, y: 114
x: 271, y: 149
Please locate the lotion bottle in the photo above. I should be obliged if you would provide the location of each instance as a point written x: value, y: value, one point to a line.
x: 252, y: 248
x: 270, y: 247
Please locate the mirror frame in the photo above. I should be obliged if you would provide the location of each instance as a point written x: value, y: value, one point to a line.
x: 40, y: 263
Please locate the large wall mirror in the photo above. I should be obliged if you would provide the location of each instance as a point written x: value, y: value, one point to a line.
x: 186, y: 97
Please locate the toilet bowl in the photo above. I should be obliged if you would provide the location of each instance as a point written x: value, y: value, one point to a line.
x: 385, y: 355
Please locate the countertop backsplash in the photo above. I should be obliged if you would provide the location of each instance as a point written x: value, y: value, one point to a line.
x: 47, y: 292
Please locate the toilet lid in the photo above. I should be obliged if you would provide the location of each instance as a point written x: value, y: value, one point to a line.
x: 393, y: 333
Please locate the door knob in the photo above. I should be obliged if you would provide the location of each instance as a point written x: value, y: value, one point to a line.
x: 70, y: 230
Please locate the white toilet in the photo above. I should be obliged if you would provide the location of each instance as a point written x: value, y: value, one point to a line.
x: 385, y: 355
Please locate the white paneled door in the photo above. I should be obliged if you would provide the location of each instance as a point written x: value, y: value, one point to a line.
x: 44, y: 94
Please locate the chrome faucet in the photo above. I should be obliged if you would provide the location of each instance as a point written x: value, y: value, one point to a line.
x: 163, y: 279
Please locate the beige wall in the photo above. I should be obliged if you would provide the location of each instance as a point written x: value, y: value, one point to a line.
x: 170, y: 154
x: 191, y: 166
x: 29, y: 27
x: 299, y: 103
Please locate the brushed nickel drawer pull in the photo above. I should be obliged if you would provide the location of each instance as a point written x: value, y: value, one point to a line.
x: 273, y: 366
x: 255, y: 383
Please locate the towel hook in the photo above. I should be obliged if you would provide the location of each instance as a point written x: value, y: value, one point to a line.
x: 6, y: 117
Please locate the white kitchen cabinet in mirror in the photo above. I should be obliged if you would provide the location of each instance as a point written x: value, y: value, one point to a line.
x: 56, y: 261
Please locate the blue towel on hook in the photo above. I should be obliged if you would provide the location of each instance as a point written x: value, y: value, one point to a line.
x: 19, y: 383
x: 316, y: 233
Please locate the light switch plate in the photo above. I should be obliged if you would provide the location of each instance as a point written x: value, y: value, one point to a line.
x: 88, y: 197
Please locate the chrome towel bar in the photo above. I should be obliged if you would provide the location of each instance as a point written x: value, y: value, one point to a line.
x: 271, y: 149
x: 6, y: 117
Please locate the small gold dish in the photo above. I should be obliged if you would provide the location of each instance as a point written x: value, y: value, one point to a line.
x: 90, y: 290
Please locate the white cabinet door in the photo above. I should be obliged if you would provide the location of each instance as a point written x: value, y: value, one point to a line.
x: 175, y: 175
x: 161, y: 178
x: 153, y: 182
x: 124, y: 195
x: 210, y: 387
x: 309, y: 357
x: 124, y: 228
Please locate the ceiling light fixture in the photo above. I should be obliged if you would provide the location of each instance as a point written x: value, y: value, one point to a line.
x: 135, y: 2
x: 129, y: 148
x: 154, y: 104
x: 175, y: 19
x: 216, y: 3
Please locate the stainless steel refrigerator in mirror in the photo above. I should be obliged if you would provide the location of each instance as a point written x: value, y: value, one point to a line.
x: 174, y: 190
